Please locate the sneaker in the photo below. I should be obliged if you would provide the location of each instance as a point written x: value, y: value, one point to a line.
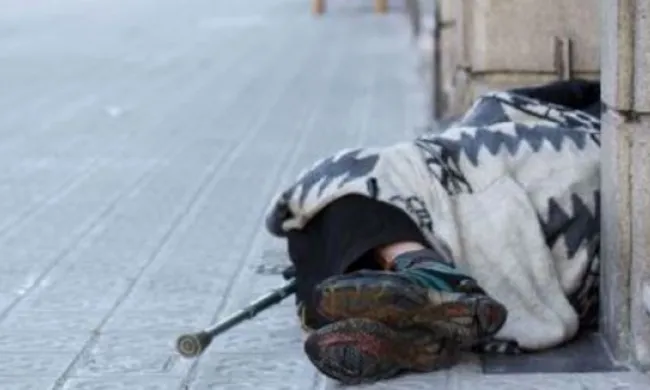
x: 419, y: 293
x: 358, y: 350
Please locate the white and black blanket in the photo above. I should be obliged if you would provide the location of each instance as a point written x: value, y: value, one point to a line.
x: 510, y: 194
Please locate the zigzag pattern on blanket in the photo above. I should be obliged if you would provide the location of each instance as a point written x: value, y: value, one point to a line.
x: 439, y: 164
x: 473, y: 140
x: 327, y: 174
x: 348, y: 164
x: 498, y: 107
x: 575, y: 226
x: 578, y: 227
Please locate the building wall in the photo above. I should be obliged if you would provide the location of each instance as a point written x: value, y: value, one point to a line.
x: 625, y: 66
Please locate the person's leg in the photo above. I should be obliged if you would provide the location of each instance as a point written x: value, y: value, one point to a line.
x: 418, y: 289
x: 415, y: 316
x: 341, y: 239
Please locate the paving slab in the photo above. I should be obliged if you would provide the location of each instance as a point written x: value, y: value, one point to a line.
x: 140, y: 143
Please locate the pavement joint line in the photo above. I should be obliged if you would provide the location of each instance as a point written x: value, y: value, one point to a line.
x: 369, y: 101
x: 71, y: 182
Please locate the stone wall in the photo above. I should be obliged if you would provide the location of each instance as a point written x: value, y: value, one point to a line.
x: 625, y: 61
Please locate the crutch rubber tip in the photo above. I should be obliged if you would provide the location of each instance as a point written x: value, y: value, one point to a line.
x: 193, y: 344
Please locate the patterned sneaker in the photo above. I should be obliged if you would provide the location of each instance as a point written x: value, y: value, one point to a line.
x: 421, y: 293
x: 358, y: 350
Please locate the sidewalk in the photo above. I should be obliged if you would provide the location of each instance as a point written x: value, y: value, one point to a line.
x: 141, y: 142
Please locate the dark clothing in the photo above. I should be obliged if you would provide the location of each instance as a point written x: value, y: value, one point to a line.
x: 340, y: 239
x: 575, y: 94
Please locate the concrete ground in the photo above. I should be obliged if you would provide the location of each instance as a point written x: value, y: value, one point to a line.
x: 140, y: 142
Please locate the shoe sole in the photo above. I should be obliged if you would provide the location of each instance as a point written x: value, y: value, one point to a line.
x: 394, y: 300
x: 359, y: 350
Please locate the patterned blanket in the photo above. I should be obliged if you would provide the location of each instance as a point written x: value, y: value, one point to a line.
x: 509, y: 194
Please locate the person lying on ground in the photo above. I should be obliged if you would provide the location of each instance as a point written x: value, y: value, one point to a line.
x: 484, y: 236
